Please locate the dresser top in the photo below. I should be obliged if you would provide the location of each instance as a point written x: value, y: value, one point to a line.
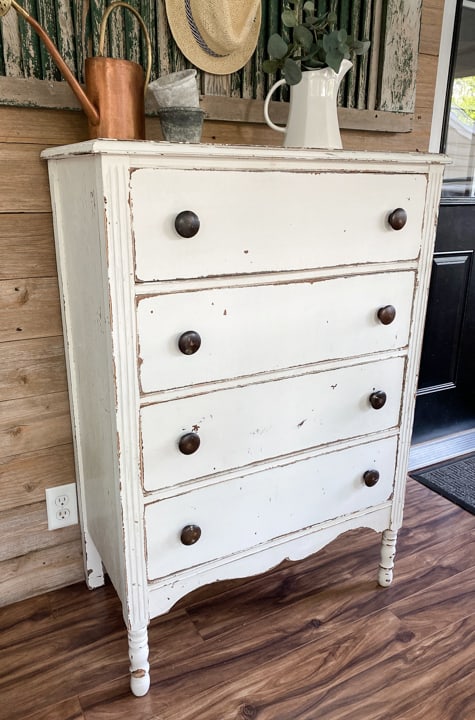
x: 138, y: 151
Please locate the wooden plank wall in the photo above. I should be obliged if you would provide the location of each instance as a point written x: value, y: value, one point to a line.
x: 35, y: 430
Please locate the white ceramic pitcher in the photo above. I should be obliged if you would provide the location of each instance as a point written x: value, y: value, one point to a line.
x: 313, y: 116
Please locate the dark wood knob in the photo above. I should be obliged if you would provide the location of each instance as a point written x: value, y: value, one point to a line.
x: 377, y: 399
x: 187, y: 223
x: 189, y: 443
x: 397, y: 219
x: 386, y: 314
x: 190, y: 534
x: 370, y: 478
x: 189, y: 342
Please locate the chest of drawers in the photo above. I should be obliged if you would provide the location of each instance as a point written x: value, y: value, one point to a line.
x: 243, y: 329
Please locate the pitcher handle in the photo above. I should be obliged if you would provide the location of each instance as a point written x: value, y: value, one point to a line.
x: 274, y: 87
x: 102, y: 34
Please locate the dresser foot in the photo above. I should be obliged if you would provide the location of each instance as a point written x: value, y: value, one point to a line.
x: 388, y: 552
x: 139, y: 666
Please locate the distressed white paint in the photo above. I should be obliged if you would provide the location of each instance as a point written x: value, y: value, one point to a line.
x: 283, y: 209
x: 388, y: 552
x: 139, y: 665
x: 245, y: 425
x: 285, y: 436
x: 235, y: 515
x: 248, y: 330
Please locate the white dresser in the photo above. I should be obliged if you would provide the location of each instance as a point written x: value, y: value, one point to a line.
x: 243, y: 329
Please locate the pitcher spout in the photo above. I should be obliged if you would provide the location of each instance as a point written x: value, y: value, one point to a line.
x: 344, y: 67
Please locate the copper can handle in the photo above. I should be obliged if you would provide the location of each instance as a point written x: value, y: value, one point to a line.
x: 102, y: 34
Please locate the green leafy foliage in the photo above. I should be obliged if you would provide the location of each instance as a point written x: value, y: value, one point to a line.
x: 315, y: 42
x: 463, y: 95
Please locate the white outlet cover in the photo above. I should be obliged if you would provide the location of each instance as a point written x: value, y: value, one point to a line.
x: 64, y: 514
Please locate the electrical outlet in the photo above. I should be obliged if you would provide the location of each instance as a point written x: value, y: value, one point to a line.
x: 61, y: 506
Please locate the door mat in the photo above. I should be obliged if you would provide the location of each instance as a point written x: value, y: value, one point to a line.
x: 453, y: 479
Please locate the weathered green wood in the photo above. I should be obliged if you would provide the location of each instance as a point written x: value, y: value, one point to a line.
x: 74, y: 26
x: 247, y: 89
x: 164, y: 39
x: 344, y: 13
x: 374, y: 54
x: 363, y: 62
x: 82, y: 32
x: 171, y: 59
x: 353, y: 74
x: 96, y: 12
x: 273, y: 25
x: 216, y: 84
x: 344, y: 21
x: 115, y: 34
x: 46, y: 10
x: 2, y: 64
x: 12, y: 45
x: 66, y: 34
x: 399, y: 62
x: 259, y: 78
x: 147, y: 10
x: 30, y: 43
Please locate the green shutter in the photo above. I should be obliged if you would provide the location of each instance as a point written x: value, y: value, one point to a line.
x: 378, y: 81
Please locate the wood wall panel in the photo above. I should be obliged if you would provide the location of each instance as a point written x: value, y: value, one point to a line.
x: 29, y: 308
x: 23, y: 179
x: 46, y: 127
x: 32, y: 367
x: 38, y: 572
x: 28, y: 532
x: 26, y: 246
x: 35, y: 432
x: 25, y: 477
x: 431, y: 22
x: 34, y: 423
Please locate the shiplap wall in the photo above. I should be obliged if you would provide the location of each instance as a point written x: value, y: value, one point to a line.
x: 35, y: 434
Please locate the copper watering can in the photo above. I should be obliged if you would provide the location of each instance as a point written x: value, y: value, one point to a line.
x: 114, y: 100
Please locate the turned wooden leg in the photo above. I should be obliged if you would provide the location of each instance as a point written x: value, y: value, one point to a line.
x: 139, y: 667
x: 388, y: 551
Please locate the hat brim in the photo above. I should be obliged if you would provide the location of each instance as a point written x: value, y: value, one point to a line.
x: 184, y: 38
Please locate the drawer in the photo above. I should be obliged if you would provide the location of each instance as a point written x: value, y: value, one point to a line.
x: 244, y: 425
x: 259, y: 221
x: 248, y: 330
x: 241, y: 513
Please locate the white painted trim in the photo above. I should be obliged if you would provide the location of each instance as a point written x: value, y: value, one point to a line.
x: 445, y: 49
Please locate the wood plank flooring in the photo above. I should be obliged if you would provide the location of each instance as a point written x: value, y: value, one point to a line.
x: 308, y: 640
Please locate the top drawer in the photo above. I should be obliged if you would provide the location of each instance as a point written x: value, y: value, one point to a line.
x: 258, y: 221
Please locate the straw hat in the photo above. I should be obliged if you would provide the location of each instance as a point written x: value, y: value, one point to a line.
x: 218, y: 36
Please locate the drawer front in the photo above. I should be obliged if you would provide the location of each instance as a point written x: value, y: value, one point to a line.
x: 244, y: 425
x: 244, y: 512
x: 248, y: 330
x: 266, y: 221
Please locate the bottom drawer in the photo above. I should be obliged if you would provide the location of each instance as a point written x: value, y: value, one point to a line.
x: 243, y: 512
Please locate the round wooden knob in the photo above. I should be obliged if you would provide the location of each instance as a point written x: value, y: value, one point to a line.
x: 189, y: 443
x: 190, y: 534
x: 377, y: 399
x: 189, y: 342
x: 397, y: 219
x: 370, y: 478
x: 187, y: 223
x: 386, y: 314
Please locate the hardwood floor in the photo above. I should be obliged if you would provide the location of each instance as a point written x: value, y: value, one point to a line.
x: 309, y: 640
